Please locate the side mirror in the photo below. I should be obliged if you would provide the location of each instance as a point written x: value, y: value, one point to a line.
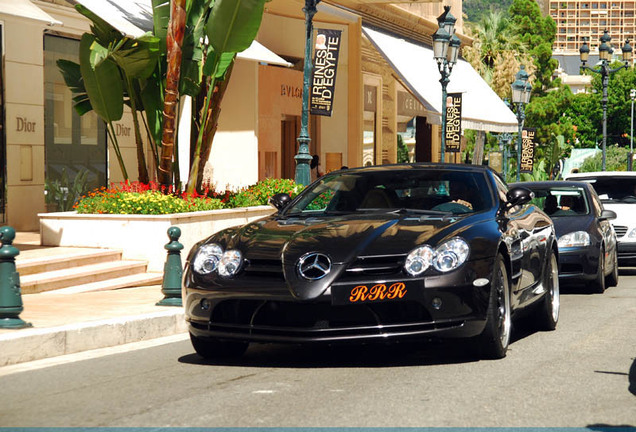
x: 607, y: 215
x: 280, y: 201
x: 518, y: 195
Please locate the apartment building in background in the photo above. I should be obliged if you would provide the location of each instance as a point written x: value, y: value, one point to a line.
x: 579, y: 19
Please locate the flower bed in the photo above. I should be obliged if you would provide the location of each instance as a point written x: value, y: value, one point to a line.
x: 141, y: 237
x: 135, y: 218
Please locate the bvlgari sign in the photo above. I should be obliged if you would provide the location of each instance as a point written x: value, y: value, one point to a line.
x: 323, y: 82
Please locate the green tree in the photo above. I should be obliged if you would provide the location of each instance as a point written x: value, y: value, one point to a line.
x: 537, y: 32
x: 615, y: 160
x: 402, y: 150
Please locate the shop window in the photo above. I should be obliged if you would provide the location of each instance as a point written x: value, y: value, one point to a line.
x: 73, y: 144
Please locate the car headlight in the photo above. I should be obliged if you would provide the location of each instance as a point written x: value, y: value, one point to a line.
x: 230, y: 263
x: 419, y: 260
x: 446, y: 257
x: 450, y: 255
x: 632, y: 234
x: 574, y: 239
x: 207, y: 258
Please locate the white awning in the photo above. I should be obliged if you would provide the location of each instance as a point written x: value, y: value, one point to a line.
x: 415, y: 65
x: 134, y: 18
x: 26, y: 9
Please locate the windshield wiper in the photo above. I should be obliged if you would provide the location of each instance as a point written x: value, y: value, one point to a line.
x: 403, y: 210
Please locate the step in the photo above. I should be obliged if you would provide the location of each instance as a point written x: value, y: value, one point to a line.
x: 64, y: 278
x: 57, y: 258
x: 130, y: 281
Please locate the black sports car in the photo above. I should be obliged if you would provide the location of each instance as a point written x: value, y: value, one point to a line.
x: 586, y: 240
x: 378, y: 254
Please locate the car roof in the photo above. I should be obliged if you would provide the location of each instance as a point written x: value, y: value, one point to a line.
x: 551, y: 184
x: 601, y: 174
x: 424, y: 165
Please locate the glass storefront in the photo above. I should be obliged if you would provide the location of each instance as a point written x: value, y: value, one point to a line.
x: 73, y: 144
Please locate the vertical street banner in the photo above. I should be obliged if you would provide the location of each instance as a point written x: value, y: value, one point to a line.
x: 527, y: 150
x: 453, y: 129
x: 323, y: 80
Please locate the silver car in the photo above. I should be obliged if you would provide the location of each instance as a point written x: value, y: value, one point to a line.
x: 617, y: 191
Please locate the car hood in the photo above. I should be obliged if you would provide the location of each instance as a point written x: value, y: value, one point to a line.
x: 567, y: 224
x: 625, y: 213
x: 342, y: 239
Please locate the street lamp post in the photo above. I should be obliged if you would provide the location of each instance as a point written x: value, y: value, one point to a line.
x: 630, y: 163
x: 302, y: 175
x: 504, y: 140
x: 521, y: 89
x: 605, y: 54
x: 445, y: 50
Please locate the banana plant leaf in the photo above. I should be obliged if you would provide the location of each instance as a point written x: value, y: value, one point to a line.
x: 102, y: 81
x: 233, y: 24
x: 103, y: 32
x: 73, y: 78
x: 231, y: 28
x: 138, y: 57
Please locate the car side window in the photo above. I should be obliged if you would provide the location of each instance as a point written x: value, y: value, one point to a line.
x: 596, y: 203
x: 502, y: 189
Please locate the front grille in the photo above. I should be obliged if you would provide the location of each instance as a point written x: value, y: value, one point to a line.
x: 620, y: 230
x: 571, y: 269
x: 317, y: 320
x: 264, y: 268
x: 376, y: 266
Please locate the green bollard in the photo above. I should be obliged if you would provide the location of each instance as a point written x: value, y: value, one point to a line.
x: 172, y: 270
x: 10, y: 294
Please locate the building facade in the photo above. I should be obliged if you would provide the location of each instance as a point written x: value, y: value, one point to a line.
x: 377, y: 98
x: 579, y: 19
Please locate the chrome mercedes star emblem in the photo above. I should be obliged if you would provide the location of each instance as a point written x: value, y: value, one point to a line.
x: 314, y: 266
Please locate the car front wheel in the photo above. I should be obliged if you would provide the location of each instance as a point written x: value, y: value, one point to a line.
x: 612, y: 279
x: 210, y: 348
x: 548, y: 313
x: 598, y: 284
x: 493, y: 341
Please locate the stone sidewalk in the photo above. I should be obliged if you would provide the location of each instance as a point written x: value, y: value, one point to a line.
x: 68, y: 323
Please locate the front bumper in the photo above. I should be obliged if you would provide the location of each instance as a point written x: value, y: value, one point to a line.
x: 448, y: 305
x: 578, y: 263
x: 626, y: 251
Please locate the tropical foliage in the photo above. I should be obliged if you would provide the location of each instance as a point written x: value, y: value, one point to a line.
x: 154, y: 198
x: 189, y: 52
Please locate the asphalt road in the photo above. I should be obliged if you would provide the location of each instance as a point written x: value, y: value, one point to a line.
x: 581, y: 375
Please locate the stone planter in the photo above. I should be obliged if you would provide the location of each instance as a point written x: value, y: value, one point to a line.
x: 141, y: 237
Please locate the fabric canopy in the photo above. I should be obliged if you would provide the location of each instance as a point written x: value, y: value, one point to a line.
x: 134, y: 18
x: 415, y: 65
x: 26, y: 9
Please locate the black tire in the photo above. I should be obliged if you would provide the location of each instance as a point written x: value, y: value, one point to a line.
x: 211, y: 348
x: 547, y: 315
x: 598, y: 284
x: 612, y: 279
x: 495, y: 338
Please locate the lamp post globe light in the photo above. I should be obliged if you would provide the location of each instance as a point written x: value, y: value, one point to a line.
x: 605, y: 55
x: 630, y: 163
x: 303, y: 174
x: 445, y: 50
x: 521, y: 89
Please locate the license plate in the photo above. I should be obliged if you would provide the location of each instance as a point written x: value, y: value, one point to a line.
x: 372, y: 293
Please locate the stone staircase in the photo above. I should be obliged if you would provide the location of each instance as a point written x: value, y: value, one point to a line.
x: 75, y: 270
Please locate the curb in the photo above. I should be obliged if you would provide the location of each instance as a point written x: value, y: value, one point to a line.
x: 35, y: 344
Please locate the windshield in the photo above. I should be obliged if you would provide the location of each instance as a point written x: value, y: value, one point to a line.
x: 562, y: 201
x: 613, y: 189
x: 416, y: 190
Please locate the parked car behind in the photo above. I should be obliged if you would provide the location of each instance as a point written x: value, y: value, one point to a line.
x: 586, y: 240
x: 617, y: 191
x: 378, y: 254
